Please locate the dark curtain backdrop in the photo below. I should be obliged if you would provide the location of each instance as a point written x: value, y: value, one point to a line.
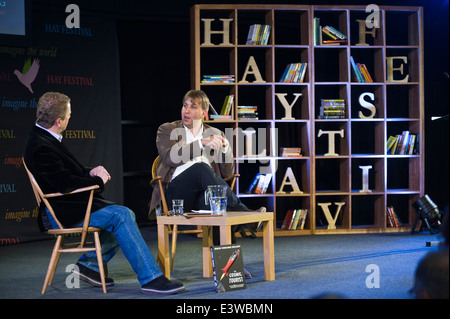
x: 81, y: 63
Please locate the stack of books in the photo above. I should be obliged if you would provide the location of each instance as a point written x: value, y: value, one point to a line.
x: 332, y: 109
x: 291, y: 152
x: 294, y: 73
x: 246, y: 112
x: 258, y: 34
x: 402, y: 144
x: 295, y: 219
x: 360, y: 72
x: 333, y: 36
x: 218, y: 79
x: 259, y: 184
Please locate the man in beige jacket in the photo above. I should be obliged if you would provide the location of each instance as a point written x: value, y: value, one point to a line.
x: 193, y: 155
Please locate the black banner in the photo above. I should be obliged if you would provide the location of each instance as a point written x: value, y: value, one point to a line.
x: 81, y: 63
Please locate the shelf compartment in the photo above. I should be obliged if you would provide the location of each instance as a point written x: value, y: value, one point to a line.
x: 291, y: 27
x: 402, y: 27
x: 247, y: 18
x: 357, y: 91
x: 403, y: 101
x: 367, y: 138
x: 343, y: 220
x: 372, y: 58
x: 287, y: 93
x: 369, y: 39
x: 283, y: 56
x: 294, y: 134
x: 332, y: 176
x: 331, y: 64
x: 375, y: 175
x: 322, y: 143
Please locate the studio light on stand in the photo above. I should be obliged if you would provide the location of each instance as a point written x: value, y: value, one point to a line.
x: 429, y: 213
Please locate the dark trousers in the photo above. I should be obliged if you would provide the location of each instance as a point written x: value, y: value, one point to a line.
x: 190, y: 186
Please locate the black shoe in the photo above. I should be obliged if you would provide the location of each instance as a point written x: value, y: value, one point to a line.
x: 91, y: 276
x: 162, y: 285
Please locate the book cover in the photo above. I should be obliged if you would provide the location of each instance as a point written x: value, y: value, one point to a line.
x: 287, y: 219
x: 228, y: 267
x: 252, y: 185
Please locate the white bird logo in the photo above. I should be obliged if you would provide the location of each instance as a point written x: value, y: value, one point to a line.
x: 28, y: 74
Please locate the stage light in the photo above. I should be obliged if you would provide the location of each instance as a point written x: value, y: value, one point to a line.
x: 429, y: 213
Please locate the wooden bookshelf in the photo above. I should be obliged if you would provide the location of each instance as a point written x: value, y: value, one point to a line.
x: 218, y: 46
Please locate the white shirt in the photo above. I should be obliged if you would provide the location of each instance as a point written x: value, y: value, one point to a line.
x: 190, y: 138
x: 57, y: 136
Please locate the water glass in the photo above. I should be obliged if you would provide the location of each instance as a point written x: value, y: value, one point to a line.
x: 177, y: 207
x: 218, y: 205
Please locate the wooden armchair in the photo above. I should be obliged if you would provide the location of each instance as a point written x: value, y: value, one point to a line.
x: 158, y: 179
x: 62, y: 232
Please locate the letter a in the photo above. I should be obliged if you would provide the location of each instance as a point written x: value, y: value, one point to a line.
x: 73, y: 19
x: 373, y: 279
x: 292, y: 182
x: 254, y: 70
x: 72, y: 280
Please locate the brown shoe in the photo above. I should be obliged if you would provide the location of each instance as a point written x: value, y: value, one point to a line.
x: 262, y: 209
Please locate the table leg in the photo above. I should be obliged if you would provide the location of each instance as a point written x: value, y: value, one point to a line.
x: 163, y: 250
x: 225, y: 235
x: 207, y: 243
x: 269, y: 256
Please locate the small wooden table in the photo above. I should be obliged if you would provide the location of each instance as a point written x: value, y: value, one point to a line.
x: 224, y: 223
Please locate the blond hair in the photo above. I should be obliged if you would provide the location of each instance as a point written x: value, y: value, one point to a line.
x: 198, y: 95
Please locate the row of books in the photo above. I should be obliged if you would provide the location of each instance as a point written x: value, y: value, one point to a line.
x: 295, y: 219
x: 360, y: 72
x: 327, y: 35
x: 291, y: 152
x: 225, y: 111
x: 392, y: 218
x: 332, y: 109
x: 258, y: 34
x: 294, y: 73
x: 259, y: 184
x: 247, y: 112
x: 218, y: 79
x: 402, y: 144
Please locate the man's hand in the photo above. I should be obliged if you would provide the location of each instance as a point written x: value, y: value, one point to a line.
x: 215, y: 142
x: 101, y: 172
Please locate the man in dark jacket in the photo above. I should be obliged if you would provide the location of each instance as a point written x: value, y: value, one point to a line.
x: 57, y: 170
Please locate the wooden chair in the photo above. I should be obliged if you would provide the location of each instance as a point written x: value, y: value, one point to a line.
x: 62, y: 232
x: 165, y: 209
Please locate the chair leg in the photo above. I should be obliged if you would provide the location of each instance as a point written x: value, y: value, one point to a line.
x: 53, y: 263
x: 58, y: 255
x: 174, y: 246
x: 98, y: 251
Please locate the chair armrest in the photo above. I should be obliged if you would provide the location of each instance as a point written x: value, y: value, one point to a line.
x: 78, y: 190
x: 230, y: 178
x: 157, y: 178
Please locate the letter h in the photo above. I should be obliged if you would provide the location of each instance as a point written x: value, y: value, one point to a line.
x: 225, y: 31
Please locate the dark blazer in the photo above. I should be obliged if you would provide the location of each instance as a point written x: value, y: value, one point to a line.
x: 171, y: 139
x: 57, y: 170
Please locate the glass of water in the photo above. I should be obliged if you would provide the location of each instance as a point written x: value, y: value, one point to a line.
x: 177, y: 207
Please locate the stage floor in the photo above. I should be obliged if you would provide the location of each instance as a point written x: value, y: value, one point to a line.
x: 305, y: 267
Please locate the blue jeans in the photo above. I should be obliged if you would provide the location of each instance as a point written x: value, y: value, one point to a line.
x: 120, y: 231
